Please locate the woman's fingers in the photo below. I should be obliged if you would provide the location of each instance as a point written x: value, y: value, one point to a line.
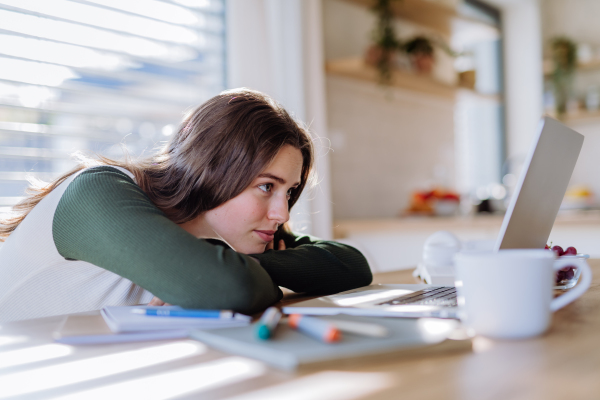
x: 156, y: 302
x: 271, y: 245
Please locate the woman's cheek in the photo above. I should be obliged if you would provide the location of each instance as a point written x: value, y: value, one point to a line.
x: 258, y: 209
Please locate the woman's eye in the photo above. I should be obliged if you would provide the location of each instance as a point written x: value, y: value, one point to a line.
x: 266, y: 187
x: 289, y: 192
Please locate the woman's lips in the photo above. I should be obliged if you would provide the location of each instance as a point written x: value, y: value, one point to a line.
x: 267, y: 236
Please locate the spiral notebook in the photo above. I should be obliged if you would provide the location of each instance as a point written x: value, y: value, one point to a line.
x: 121, y: 319
x: 119, y: 324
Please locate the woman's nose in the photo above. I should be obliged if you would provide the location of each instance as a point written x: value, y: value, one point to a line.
x: 279, y: 211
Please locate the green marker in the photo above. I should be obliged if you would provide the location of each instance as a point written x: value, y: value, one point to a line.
x: 265, y: 328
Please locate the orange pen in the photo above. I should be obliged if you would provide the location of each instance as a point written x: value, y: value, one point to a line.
x: 315, y: 328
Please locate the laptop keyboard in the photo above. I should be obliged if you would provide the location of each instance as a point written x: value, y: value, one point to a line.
x: 440, y: 296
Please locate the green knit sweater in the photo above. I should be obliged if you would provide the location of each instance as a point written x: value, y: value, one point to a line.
x: 104, y: 218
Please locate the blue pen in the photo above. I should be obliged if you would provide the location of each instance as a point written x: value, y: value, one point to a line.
x: 226, y: 314
x: 268, y: 323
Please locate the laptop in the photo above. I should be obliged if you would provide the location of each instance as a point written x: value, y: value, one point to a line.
x: 527, y: 224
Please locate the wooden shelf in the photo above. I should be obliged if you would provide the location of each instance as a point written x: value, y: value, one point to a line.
x: 481, y: 96
x: 582, y: 116
x: 587, y: 66
x: 427, y: 13
x: 411, y: 225
x: 357, y: 69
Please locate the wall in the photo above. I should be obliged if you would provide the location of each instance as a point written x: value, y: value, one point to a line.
x: 577, y: 19
x: 385, y: 142
x: 276, y: 47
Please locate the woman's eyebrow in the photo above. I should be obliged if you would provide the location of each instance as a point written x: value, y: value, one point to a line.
x: 275, y: 178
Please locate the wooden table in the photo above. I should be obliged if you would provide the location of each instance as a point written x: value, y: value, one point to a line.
x: 562, y: 364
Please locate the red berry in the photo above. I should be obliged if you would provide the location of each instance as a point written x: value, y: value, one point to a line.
x: 570, y: 251
x: 558, y: 250
x: 569, y: 274
x: 565, y: 274
x: 547, y: 247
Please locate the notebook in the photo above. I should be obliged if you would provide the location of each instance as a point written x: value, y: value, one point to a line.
x: 290, y: 349
x: 121, y: 319
x: 91, y: 329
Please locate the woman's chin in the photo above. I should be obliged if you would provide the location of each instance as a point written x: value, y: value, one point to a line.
x: 251, y: 248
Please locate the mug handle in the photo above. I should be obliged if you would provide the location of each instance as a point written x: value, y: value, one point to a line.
x: 586, y: 279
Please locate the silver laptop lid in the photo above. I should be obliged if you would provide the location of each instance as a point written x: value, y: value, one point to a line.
x: 541, y: 187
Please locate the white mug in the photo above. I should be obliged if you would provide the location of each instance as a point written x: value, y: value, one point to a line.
x: 508, y: 294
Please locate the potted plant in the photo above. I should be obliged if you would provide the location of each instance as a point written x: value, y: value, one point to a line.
x: 387, y: 50
x: 564, y: 55
x: 420, y: 51
x: 385, y: 42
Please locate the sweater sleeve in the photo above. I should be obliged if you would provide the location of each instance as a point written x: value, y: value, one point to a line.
x: 313, y: 266
x: 105, y: 219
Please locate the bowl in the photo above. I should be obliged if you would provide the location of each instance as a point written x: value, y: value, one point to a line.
x: 568, y: 283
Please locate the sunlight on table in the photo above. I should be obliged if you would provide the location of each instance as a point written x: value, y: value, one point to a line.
x: 208, y: 375
x: 34, y: 354
x: 6, y: 340
x: 327, y: 385
x: 481, y: 344
x: 83, y: 370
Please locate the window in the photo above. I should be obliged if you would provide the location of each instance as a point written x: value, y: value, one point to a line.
x: 479, y: 113
x: 99, y: 75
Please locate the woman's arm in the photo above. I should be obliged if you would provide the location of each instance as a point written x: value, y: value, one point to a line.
x: 105, y: 219
x: 316, y: 266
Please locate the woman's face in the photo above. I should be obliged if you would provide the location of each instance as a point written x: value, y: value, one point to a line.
x: 248, y: 221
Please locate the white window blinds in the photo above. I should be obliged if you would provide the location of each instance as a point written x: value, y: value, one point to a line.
x: 97, y: 75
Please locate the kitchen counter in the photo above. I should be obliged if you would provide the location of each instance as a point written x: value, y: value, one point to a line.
x: 396, y: 243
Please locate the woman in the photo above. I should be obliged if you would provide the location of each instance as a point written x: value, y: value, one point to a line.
x: 179, y: 226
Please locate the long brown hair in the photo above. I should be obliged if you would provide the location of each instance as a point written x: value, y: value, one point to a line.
x: 219, y: 149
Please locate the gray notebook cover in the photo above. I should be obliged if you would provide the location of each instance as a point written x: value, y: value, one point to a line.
x: 288, y: 349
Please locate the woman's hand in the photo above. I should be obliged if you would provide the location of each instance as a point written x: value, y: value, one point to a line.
x: 271, y: 245
x: 158, y: 302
